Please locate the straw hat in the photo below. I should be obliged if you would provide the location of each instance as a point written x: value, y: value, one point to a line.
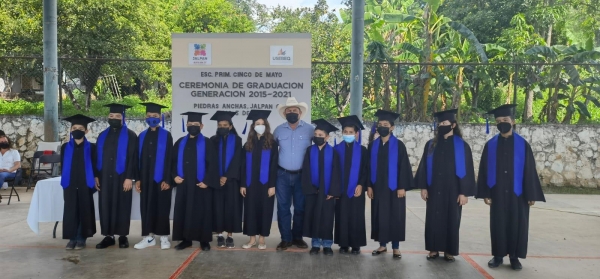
x: 292, y: 102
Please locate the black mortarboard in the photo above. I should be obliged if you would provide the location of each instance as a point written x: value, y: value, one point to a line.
x: 222, y: 115
x: 323, y: 125
x: 79, y: 119
x: 117, y: 108
x: 449, y: 115
x: 387, y: 115
x: 257, y: 114
x: 504, y: 110
x: 194, y: 116
x: 351, y: 121
x: 153, y: 107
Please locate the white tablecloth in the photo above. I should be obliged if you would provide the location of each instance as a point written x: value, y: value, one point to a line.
x: 47, y: 204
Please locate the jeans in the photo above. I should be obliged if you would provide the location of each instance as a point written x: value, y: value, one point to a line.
x: 288, y: 189
x: 318, y: 242
x: 395, y: 244
x: 5, y: 175
x: 79, y: 237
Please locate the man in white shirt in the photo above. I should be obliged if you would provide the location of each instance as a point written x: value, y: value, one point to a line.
x: 10, y: 160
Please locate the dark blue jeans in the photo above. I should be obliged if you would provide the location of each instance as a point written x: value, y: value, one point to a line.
x: 395, y: 244
x: 289, y: 191
x: 79, y: 237
x: 6, y: 175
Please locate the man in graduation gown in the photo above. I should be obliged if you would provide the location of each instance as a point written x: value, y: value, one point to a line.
x: 350, y: 207
x: 117, y: 164
x: 79, y: 180
x: 509, y: 183
x: 390, y: 176
x: 195, y: 169
x: 446, y: 178
x: 154, y: 184
x: 321, y: 186
x: 227, y: 200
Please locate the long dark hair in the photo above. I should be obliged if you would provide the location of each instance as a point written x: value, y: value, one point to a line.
x: 252, y: 138
x: 456, y: 132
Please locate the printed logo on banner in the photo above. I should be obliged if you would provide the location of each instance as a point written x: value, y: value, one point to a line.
x: 200, y: 54
x: 282, y: 55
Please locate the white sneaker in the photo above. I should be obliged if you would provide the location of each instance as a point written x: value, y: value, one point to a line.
x: 146, y: 242
x: 164, y: 242
x: 5, y: 186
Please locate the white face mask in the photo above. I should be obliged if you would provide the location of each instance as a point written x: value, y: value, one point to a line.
x: 260, y: 129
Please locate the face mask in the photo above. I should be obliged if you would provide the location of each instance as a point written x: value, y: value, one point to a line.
x: 115, y: 123
x: 153, y: 121
x: 291, y: 117
x: 222, y: 131
x: 193, y: 130
x: 259, y: 129
x: 383, y: 131
x: 504, y: 127
x: 349, y: 138
x: 319, y: 141
x: 4, y: 145
x: 78, y: 134
x: 443, y: 130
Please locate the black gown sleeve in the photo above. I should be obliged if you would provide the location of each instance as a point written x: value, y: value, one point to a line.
x: 174, y: 158
x: 211, y: 177
x: 274, y: 164
x: 369, y: 170
x: 364, y: 172
x: 62, y: 156
x: 307, y: 186
x: 167, y: 175
x: 233, y: 171
x: 468, y: 187
x: 532, y: 188
x: 421, y: 175
x: 405, y: 181
x: 483, y: 191
x: 132, y: 171
x: 94, y: 160
x: 335, y: 188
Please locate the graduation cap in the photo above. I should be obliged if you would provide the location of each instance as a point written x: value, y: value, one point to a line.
x: 504, y: 110
x: 256, y: 114
x: 351, y: 121
x: 387, y: 115
x: 449, y: 115
x: 194, y: 116
x: 117, y: 108
x: 153, y: 107
x: 222, y: 115
x: 79, y: 119
x: 323, y: 125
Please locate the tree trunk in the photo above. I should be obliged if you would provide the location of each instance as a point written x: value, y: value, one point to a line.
x: 528, y: 111
x: 456, y: 96
x: 427, y: 69
x: 549, y: 36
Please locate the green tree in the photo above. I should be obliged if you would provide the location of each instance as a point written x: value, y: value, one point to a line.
x: 211, y: 16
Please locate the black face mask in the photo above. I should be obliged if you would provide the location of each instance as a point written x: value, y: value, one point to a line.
x: 291, y: 117
x: 383, y: 131
x: 222, y: 131
x: 78, y: 134
x: 193, y: 130
x: 4, y: 145
x: 319, y: 141
x: 115, y: 123
x: 504, y: 127
x: 443, y: 130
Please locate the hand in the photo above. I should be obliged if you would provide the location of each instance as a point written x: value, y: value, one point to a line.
x: 424, y: 194
x: 487, y: 201
x: 531, y: 203
x: 370, y: 192
x: 223, y: 180
x: 178, y: 180
x: 164, y: 186
x: 329, y: 197
x: 243, y: 191
x: 358, y: 191
x: 202, y: 185
x: 271, y: 192
x: 138, y: 186
x: 97, y: 183
x: 3, y: 170
x: 462, y: 200
x: 127, y: 185
x: 401, y: 193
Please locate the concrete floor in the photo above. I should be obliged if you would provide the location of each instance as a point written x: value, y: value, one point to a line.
x: 564, y: 243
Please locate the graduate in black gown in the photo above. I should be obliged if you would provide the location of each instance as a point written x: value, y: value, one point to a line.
x: 259, y: 177
x: 117, y: 156
x: 446, y: 178
x: 321, y: 187
x: 227, y: 200
x: 195, y: 169
x: 390, y: 176
x: 154, y: 184
x: 509, y: 183
x: 350, y: 207
x: 79, y: 180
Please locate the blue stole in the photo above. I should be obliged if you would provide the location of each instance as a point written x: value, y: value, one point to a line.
x: 354, y: 165
x: 228, y: 153
x: 518, y: 165
x: 121, y: 148
x: 392, y: 162
x: 265, y: 161
x: 314, y: 166
x: 200, y: 154
x: 65, y: 179
x: 459, y: 159
x: 160, y: 153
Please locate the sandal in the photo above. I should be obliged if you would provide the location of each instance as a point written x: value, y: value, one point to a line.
x: 449, y: 258
x: 249, y: 245
x: 433, y: 257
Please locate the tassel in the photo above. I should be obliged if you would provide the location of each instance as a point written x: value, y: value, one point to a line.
x: 359, y: 137
x: 123, y: 117
x: 244, y: 132
x: 182, y: 125
x: 487, y: 125
x: 163, y: 120
x: 433, y: 128
x: 373, y: 127
x: 334, y: 141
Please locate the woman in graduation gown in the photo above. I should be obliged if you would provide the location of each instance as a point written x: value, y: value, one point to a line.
x: 350, y: 228
x: 196, y: 175
x: 508, y: 181
x: 390, y: 176
x: 259, y: 177
x: 321, y: 186
x: 446, y: 178
x: 79, y: 180
x: 227, y: 201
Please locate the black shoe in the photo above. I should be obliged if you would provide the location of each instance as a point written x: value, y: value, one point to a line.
x: 71, y: 245
x: 229, y: 243
x: 327, y: 251
x: 397, y: 256
x: 220, y: 242
x: 205, y: 246
x: 314, y: 250
x: 430, y: 257
x: 355, y: 251
x: 515, y: 264
x: 495, y: 262
x: 377, y: 252
x: 182, y: 245
x: 123, y: 242
x: 449, y: 258
x: 80, y: 245
x: 300, y: 243
x: 107, y: 241
x: 344, y: 250
x: 284, y: 245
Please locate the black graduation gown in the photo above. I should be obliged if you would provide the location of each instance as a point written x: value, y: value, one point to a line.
x: 509, y: 214
x: 155, y: 204
x: 350, y: 230
x: 192, y: 219
x: 388, y: 212
x: 79, y: 201
x: 115, y: 204
x: 258, y: 206
x: 319, y: 212
x: 443, y: 214
x: 227, y: 200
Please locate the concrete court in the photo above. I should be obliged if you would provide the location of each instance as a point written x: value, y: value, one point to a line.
x: 564, y: 243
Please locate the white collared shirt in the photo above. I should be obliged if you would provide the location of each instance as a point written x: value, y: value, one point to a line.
x: 8, y: 159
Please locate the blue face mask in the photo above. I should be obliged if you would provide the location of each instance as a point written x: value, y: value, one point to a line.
x: 349, y: 138
x: 153, y: 121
